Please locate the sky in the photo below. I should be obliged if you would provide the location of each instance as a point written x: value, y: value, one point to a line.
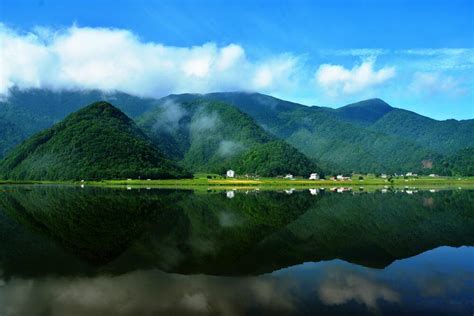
x: 417, y: 55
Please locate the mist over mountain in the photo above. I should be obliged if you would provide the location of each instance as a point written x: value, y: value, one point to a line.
x: 212, y: 131
x: 213, y: 136
x: 368, y: 136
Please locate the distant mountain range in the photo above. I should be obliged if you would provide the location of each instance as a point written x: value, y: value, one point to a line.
x: 212, y: 132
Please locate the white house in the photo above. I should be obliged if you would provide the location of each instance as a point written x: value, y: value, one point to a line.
x: 383, y: 176
x: 230, y: 194
x: 314, y: 176
x: 433, y: 175
x: 289, y: 176
x: 230, y: 173
x: 313, y: 191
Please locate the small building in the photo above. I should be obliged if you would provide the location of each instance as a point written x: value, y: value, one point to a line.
x: 230, y: 173
x: 314, y: 176
x: 313, y: 191
x: 411, y: 174
x: 289, y: 176
x: 433, y: 175
x: 341, y: 177
x: 383, y: 176
x: 230, y: 194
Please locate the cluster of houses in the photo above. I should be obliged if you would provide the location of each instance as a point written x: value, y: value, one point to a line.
x: 340, y: 177
x: 313, y: 176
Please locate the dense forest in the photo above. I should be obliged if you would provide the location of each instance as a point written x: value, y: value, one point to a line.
x: 459, y: 164
x: 97, y: 142
x: 367, y: 136
x: 212, y: 136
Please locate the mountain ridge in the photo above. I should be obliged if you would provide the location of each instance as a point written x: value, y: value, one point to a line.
x: 386, y: 140
x: 212, y: 136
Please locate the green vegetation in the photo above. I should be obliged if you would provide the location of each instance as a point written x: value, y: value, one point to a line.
x: 273, y: 159
x: 369, y: 183
x: 27, y: 112
x: 97, y: 142
x: 204, y: 134
x: 368, y: 136
x: 459, y: 164
x: 214, y: 137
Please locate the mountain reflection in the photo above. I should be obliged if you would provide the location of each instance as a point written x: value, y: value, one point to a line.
x: 83, y: 231
x: 95, y: 251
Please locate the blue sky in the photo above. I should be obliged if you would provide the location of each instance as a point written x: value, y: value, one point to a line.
x: 417, y: 55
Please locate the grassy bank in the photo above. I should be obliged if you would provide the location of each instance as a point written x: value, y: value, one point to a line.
x: 207, y: 181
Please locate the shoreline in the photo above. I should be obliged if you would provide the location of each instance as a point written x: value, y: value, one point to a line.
x: 265, y: 183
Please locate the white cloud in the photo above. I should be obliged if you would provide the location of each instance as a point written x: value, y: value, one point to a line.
x: 116, y: 59
x: 276, y: 73
x: 430, y: 83
x: 336, y: 79
x: 360, y: 52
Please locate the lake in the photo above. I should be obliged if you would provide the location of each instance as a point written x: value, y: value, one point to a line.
x: 66, y: 250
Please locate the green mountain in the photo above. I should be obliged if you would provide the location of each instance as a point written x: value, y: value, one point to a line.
x: 210, y: 136
x: 26, y: 112
x: 97, y: 142
x: 367, y: 136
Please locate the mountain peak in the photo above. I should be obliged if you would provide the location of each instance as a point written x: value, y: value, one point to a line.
x: 367, y: 111
x: 100, y: 107
x: 369, y: 103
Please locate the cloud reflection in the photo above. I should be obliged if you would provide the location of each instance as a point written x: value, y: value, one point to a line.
x: 340, y: 286
x: 144, y: 293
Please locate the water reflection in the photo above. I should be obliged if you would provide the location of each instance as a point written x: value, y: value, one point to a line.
x: 133, y: 252
x: 332, y: 288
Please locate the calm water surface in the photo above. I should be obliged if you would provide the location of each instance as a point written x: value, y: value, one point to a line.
x: 98, y: 251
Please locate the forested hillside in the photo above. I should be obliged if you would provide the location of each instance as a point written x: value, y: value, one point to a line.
x: 26, y: 112
x: 367, y: 136
x: 97, y: 142
x: 213, y: 136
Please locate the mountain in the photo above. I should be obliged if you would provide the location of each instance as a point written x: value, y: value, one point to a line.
x: 337, y: 144
x: 210, y: 136
x: 97, y: 142
x: 367, y: 111
x: 367, y: 136
x: 26, y: 112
